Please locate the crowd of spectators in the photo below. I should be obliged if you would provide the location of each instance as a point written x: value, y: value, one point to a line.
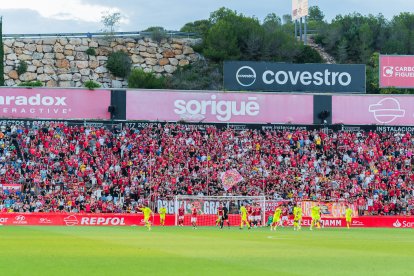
x: 88, y: 169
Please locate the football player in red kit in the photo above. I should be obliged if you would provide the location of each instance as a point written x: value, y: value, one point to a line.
x: 257, y: 215
x: 220, y: 214
x: 285, y: 216
x: 194, y: 212
x: 249, y: 214
x: 181, y: 216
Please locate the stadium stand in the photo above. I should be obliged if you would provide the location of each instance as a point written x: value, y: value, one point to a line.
x: 86, y: 169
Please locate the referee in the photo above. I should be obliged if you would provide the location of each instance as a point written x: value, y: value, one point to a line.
x: 225, y: 216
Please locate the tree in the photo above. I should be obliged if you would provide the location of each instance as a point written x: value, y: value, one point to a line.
x: 154, y: 28
x: 1, y: 53
x: 273, y: 20
x: 222, y: 13
x: 366, y: 39
x: 287, y: 19
x: 315, y: 14
x: 343, y: 51
x: 221, y: 42
x: 111, y: 23
x: 200, y: 27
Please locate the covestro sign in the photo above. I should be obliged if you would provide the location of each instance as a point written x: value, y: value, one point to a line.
x: 283, y: 77
x: 54, y: 103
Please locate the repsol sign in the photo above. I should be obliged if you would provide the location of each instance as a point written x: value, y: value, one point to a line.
x: 284, y: 77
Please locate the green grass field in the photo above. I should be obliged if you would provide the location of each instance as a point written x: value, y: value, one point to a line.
x: 206, y: 251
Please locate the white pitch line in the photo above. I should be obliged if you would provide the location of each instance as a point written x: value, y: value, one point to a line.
x: 277, y: 238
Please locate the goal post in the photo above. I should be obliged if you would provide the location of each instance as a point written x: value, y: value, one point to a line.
x: 207, y: 209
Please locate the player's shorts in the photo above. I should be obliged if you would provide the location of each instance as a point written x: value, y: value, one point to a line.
x: 146, y: 220
x: 244, y: 218
x: 285, y: 218
x: 257, y: 218
x: 348, y: 219
x: 250, y: 217
x: 162, y: 217
x: 181, y: 217
x: 276, y: 219
x: 193, y: 219
x: 225, y: 217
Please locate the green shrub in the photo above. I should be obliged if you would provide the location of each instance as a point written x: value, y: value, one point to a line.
x: 119, y: 64
x: 199, y: 75
x: 308, y: 55
x: 91, y: 52
x: 31, y: 84
x: 158, y: 35
x: 90, y: 84
x: 21, y: 68
x: 140, y: 79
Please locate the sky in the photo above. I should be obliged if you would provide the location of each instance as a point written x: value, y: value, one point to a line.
x: 74, y: 16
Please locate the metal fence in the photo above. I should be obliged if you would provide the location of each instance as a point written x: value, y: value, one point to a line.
x: 171, y: 34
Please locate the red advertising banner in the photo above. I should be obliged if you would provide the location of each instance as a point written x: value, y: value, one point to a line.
x: 378, y: 110
x: 78, y: 219
x: 41, y: 103
x: 66, y: 219
x: 218, y: 107
x: 396, y: 71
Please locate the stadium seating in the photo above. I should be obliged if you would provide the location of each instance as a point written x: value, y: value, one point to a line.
x: 85, y: 169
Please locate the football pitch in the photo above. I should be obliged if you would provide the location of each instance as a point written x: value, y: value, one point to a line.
x: 49, y: 250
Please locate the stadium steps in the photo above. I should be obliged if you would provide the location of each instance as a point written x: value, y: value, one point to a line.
x: 19, y: 152
x: 326, y: 57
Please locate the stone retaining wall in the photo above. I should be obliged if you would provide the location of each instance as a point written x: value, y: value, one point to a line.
x: 63, y: 62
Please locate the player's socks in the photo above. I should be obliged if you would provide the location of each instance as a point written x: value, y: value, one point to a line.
x: 221, y: 224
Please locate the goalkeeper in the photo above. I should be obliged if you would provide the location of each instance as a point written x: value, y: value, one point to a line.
x: 348, y: 216
x: 147, y: 213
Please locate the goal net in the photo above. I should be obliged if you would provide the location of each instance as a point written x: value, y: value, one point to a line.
x: 208, y: 209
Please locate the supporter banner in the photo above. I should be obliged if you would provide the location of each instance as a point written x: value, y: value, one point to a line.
x: 329, y: 209
x: 210, y: 207
x: 379, y: 110
x: 271, y: 205
x: 218, y: 107
x: 300, y: 8
x: 285, y: 77
x: 11, y: 187
x: 396, y: 71
x: 54, y: 103
x: 64, y: 219
x: 230, y: 178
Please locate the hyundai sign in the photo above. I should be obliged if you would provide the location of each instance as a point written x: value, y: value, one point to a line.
x: 285, y: 77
